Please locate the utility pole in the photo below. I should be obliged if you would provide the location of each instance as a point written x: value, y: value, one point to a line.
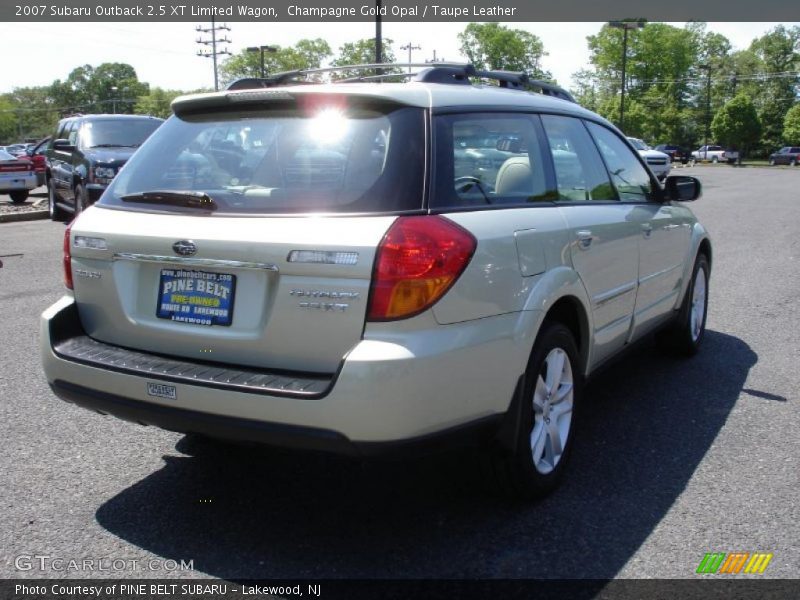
x: 213, y: 53
x: 378, y: 37
x: 434, y: 59
x: 409, y: 46
x: 707, y: 68
x: 625, y: 26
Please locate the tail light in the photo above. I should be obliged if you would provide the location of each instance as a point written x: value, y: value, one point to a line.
x: 15, y: 167
x: 67, y: 260
x: 418, y: 260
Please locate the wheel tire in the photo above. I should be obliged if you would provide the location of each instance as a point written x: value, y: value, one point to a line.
x: 771, y: 162
x: 534, y: 467
x: 685, y: 335
x: 81, y: 200
x: 19, y: 197
x: 56, y: 213
x: 793, y: 162
x: 714, y: 159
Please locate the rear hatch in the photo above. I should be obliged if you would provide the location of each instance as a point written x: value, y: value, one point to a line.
x: 248, y: 237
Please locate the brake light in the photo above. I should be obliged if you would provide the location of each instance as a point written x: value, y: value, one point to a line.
x: 67, y: 260
x: 418, y: 260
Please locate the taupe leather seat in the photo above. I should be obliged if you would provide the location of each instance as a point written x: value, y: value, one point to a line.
x: 514, y: 177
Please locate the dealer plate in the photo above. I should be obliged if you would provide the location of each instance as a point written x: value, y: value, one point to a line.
x: 162, y: 390
x: 197, y: 297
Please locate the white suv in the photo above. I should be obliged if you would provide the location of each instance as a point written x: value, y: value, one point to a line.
x: 365, y: 267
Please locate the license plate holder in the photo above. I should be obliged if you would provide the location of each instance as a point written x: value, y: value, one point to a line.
x: 196, y: 297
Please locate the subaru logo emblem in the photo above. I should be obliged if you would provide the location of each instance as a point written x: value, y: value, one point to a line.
x: 184, y: 247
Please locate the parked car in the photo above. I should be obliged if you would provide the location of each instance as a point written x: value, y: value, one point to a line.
x: 37, y: 154
x: 675, y: 153
x: 86, y: 154
x: 659, y: 162
x: 341, y: 287
x: 715, y: 154
x: 17, y: 150
x: 17, y: 177
x: 788, y: 155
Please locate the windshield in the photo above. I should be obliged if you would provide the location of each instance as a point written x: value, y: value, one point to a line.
x: 638, y: 144
x: 326, y: 159
x: 125, y: 133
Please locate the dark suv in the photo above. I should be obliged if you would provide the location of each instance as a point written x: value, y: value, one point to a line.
x: 86, y: 153
x: 676, y: 153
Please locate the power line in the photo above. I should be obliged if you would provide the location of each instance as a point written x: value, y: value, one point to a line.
x: 213, y: 53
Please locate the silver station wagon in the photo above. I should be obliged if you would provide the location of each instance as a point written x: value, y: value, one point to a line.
x: 365, y: 266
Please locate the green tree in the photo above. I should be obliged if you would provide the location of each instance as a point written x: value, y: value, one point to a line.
x: 306, y: 54
x: 156, y: 103
x: 791, y: 126
x: 34, y: 111
x: 736, y: 124
x: 362, y: 52
x: 777, y: 51
x: 494, y: 46
x: 8, y: 121
x: 106, y: 88
x: 658, y: 69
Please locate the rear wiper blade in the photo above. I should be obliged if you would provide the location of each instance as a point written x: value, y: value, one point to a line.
x: 186, y: 198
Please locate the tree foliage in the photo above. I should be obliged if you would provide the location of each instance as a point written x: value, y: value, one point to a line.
x: 362, y: 52
x: 494, y: 46
x: 156, y: 102
x: 305, y: 54
x: 777, y: 52
x: 736, y: 124
x: 791, y: 126
x: 105, y: 88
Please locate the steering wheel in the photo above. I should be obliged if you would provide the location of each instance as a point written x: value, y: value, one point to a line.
x: 466, y: 182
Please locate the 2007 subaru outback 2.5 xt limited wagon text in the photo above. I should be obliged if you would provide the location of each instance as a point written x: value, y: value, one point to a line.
x: 360, y: 266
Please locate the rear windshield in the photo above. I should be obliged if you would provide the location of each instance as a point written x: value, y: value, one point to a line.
x: 321, y: 159
x: 119, y: 133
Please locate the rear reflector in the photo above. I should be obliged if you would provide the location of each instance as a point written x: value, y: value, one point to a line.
x: 419, y: 259
x: 67, y: 260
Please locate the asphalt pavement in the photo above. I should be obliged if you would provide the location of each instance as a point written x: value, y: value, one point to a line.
x: 674, y: 458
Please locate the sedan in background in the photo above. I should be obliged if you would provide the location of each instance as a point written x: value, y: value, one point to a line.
x: 17, y: 177
x: 788, y: 155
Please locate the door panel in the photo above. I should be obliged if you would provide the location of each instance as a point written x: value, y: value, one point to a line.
x: 605, y: 253
x: 663, y: 247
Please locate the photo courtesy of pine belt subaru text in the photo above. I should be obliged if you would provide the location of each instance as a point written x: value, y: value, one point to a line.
x: 379, y: 264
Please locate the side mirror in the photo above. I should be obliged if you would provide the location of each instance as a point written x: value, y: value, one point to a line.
x: 682, y: 188
x: 63, y: 145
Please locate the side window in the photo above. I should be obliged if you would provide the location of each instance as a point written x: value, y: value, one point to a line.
x: 61, y: 133
x: 580, y: 174
x: 629, y: 176
x: 72, y: 133
x: 488, y: 159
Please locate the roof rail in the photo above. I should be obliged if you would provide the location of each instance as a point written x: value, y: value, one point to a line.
x: 440, y: 72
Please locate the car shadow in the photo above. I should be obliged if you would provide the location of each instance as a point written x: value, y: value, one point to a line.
x: 241, y: 513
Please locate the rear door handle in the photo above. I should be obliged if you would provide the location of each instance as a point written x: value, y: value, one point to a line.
x: 584, y: 239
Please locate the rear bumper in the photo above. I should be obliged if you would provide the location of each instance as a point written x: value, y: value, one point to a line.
x: 443, y: 389
x: 17, y: 184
